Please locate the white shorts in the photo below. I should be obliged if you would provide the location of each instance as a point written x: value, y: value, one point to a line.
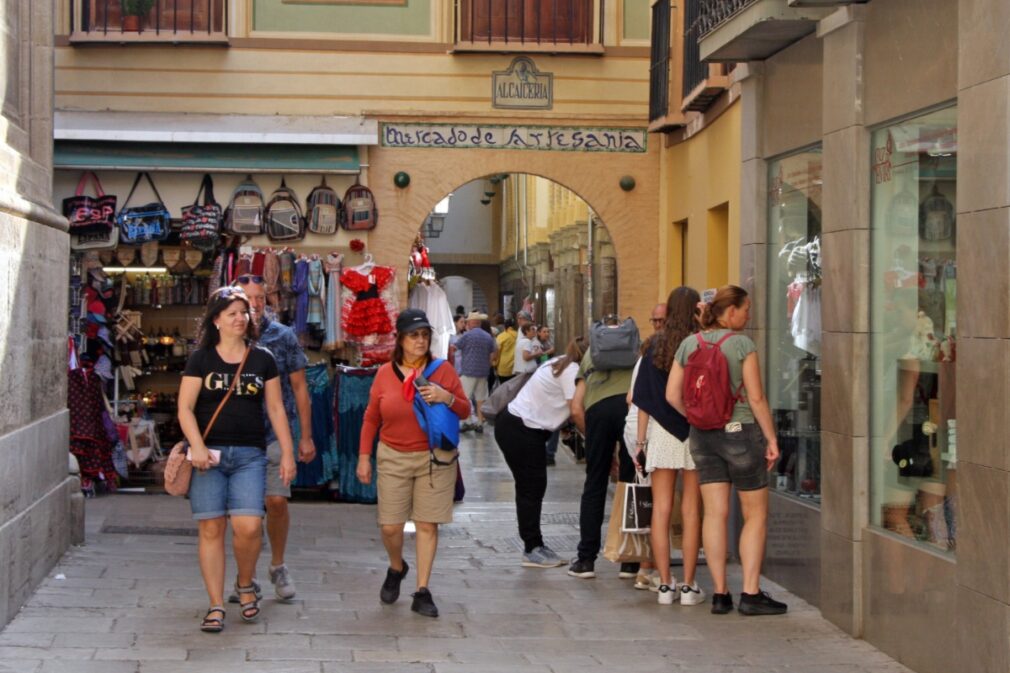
x: 666, y: 452
x: 475, y: 387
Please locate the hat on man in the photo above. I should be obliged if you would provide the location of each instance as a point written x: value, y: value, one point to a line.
x: 475, y: 315
x: 524, y: 315
x: 410, y: 320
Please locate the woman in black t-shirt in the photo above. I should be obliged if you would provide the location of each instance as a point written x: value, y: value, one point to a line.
x: 229, y: 479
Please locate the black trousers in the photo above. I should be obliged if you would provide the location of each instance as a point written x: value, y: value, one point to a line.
x: 604, y: 431
x: 523, y: 449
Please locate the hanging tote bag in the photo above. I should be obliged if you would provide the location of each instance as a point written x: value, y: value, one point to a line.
x: 90, y: 214
x: 178, y: 470
x: 624, y: 547
x: 201, y: 223
x: 106, y: 240
x: 140, y: 224
x: 637, y: 508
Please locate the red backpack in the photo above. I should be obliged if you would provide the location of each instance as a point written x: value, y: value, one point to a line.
x: 708, y: 391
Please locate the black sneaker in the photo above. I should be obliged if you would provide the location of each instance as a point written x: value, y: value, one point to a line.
x: 391, y: 587
x: 581, y: 568
x: 628, y: 571
x: 761, y: 604
x: 722, y: 604
x: 423, y: 603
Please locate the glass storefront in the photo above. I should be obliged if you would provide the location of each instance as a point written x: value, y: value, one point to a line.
x: 913, y: 297
x: 794, y: 320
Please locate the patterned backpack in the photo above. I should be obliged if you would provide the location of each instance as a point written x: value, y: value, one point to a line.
x: 322, y: 209
x: 201, y: 223
x: 283, y: 216
x: 244, y: 216
x: 360, y: 212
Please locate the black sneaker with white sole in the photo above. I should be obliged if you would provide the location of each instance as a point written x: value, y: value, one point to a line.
x: 582, y: 568
x: 761, y: 604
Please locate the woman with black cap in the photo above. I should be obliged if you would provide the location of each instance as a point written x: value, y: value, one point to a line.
x: 414, y: 481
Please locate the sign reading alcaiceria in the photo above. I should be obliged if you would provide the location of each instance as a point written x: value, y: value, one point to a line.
x: 510, y: 137
x: 522, y: 86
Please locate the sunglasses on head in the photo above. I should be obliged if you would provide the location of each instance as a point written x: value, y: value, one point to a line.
x: 245, y: 279
x: 229, y: 291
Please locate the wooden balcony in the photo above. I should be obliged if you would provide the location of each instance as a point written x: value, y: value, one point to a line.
x: 552, y: 26
x: 167, y: 21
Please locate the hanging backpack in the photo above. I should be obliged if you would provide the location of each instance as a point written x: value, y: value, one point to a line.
x: 614, y: 347
x: 708, y: 390
x: 283, y: 216
x: 201, y: 224
x: 142, y: 224
x: 244, y: 216
x: 322, y: 209
x: 360, y: 212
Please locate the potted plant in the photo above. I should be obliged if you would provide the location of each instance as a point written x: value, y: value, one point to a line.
x: 133, y: 12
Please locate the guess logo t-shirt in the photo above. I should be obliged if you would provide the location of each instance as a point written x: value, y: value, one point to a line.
x: 242, y: 421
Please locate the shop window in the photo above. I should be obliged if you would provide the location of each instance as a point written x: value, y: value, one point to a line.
x: 794, y: 320
x: 914, y: 328
x: 526, y: 22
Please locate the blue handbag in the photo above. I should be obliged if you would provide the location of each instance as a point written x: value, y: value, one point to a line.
x: 437, y: 420
x: 141, y: 224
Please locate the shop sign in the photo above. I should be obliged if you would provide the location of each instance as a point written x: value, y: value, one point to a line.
x: 522, y: 87
x: 511, y: 137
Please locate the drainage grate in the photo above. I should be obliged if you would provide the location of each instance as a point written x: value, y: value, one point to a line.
x: 571, y: 518
x: 147, y: 530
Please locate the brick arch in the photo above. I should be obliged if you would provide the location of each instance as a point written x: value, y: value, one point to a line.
x: 631, y: 217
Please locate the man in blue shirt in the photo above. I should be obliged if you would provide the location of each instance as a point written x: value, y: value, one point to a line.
x: 478, y: 349
x: 280, y: 340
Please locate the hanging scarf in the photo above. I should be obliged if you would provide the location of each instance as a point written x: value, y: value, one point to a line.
x: 300, y: 289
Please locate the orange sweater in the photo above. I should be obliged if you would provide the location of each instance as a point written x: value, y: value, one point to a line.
x: 393, y: 417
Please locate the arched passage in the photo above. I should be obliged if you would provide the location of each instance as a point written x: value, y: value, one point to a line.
x: 630, y: 216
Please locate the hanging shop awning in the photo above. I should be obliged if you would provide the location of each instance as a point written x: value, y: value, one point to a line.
x: 205, y: 157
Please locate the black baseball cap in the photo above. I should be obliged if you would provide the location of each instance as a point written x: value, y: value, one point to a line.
x: 410, y: 320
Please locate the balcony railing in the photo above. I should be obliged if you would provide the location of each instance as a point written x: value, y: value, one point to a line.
x: 714, y: 12
x: 164, y: 21
x: 529, y: 25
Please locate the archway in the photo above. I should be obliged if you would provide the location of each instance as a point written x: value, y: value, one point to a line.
x: 631, y: 216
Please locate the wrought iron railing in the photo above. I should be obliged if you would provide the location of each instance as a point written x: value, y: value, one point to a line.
x: 659, y: 65
x: 695, y: 72
x: 712, y: 13
x: 529, y: 22
x: 146, y: 21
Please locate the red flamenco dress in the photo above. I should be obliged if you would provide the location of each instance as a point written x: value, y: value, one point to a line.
x: 367, y: 313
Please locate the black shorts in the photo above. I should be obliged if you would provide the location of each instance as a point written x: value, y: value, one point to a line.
x: 737, y: 458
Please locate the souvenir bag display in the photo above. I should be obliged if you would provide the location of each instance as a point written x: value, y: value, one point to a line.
x: 322, y: 209
x: 90, y: 214
x: 283, y: 217
x: 201, y: 223
x: 360, y: 212
x: 179, y: 470
x: 244, y: 216
x: 140, y: 224
x: 106, y: 240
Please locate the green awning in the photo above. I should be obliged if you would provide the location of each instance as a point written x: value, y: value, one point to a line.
x: 205, y: 157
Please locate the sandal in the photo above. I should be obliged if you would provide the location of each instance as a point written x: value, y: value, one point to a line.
x: 213, y: 624
x: 251, y: 610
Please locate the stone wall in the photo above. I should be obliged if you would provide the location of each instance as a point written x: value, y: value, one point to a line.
x: 35, y: 490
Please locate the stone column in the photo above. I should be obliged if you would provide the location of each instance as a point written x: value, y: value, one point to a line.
x: 983, y: 347
x: 845, y: 320
x: 35, y: 519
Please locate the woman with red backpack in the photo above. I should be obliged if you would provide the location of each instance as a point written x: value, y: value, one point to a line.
x: 715, y: 382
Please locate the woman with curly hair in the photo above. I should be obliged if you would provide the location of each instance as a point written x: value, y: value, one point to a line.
x: 662, y: 437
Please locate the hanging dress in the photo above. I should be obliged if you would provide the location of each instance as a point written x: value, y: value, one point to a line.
x: 300, y: 292
x: 366, y: 313
x: 334, y: 331
x: 316, y: 295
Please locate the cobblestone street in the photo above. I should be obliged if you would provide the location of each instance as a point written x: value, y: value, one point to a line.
x: 130, y: 601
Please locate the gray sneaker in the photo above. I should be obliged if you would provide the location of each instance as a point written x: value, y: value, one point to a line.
x: 233, y: 597
x: 284, y: 586
x: 542, y: 557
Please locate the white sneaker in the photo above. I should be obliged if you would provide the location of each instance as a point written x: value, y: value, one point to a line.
x: 667, y: 595
x: 691, y: 594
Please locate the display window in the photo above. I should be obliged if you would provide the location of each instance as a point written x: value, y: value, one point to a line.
x: 914, y: 329
x: 794, y: 320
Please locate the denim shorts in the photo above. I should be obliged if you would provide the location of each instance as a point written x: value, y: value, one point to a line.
x: 737, y: 458
x: 234, y: 487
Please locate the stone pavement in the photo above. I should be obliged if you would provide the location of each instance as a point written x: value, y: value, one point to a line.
x: 129, y: 601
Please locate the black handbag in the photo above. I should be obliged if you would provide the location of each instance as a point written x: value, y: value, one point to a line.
x: 201, y: 223
x: 141, y: 224
x: 90, y: 214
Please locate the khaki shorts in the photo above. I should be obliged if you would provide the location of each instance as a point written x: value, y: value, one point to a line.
x: 474, y: 387
x: 406, y: 489
x: 275, y: 487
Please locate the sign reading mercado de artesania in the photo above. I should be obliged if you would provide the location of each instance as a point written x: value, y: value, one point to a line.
x: 513, y: 137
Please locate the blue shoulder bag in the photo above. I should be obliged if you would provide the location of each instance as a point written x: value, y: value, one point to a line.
x: 438, y: 421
